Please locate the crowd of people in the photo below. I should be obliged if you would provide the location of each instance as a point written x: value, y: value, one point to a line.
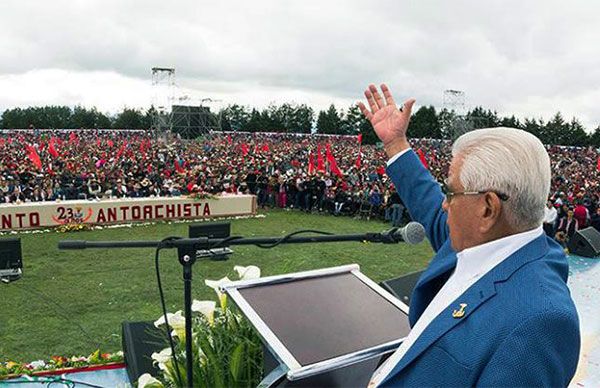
x: 330, y: 174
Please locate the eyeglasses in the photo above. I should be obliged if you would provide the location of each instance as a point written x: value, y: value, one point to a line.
x: 451, y: 194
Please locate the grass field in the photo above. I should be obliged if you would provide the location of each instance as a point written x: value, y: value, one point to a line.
x: 72, y: 302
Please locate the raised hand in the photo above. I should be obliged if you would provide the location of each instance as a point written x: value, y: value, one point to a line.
x: 389, y: 122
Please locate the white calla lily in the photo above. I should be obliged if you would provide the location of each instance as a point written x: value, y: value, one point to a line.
x: 247, y: 273
x: 216, y: 285
x: 162, y: 356
x: 146, y: 380
x: 161, y: 321
x: 206, y: 308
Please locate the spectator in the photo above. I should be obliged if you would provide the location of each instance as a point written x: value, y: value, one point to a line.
x: 550, y: 216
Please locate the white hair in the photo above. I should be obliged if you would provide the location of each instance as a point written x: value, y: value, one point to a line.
x: 509, y: 161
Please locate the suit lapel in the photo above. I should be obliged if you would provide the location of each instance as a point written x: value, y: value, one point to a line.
x: 474, y: 297
x: 431, y: 281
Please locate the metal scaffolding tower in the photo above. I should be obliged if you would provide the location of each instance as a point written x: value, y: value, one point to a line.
x: 457, y: 122
x: 163, y: 84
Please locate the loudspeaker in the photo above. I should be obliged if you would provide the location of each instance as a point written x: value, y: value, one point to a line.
x: 11, y: 259
x: 210, y: 230
x: 139, y: 341
x: 402, y: 286
x: 585, y: 242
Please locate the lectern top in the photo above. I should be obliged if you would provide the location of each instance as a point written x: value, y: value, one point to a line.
x: 324, y: 318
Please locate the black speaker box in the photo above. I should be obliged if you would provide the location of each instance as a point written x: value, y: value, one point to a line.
x: 140, y: 340
x: 585, y: 242
x: 10, y: 253
x: 402, y: 286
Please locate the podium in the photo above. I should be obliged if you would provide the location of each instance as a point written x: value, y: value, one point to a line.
x: 329, y: 327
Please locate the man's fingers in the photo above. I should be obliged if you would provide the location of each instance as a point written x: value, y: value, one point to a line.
x: 389, y: 100
x: 365, y: 111
x: 377, y: 96
x: 371, y: 101
x: 407, y: 107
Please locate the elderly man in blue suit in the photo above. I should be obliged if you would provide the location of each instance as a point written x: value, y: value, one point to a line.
x: 493, y: 307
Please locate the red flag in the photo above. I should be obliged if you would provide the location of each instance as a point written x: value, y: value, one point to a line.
x: 244, y: 149
x: 359, y: 138
x: 178, y: 167
x: 334, y: 167
x: 121, y: 150
x: 265, y: 147
x: 110, y: 143
x: 332, y: 162
x: 422, y: 158
x: 98, y: 142
x: 72, y: 137
x: 34, y: 157
x: 598, y: 165
x: 52, y: 149
x: 320, y: 162
x: 358, y: 158
x: 311, y: 164
x: 328, y: 154
x: 229, y: 139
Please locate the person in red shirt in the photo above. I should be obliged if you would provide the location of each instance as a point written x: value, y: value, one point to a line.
x: 581, y: 214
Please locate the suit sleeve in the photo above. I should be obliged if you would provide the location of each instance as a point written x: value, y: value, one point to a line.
x: 421, y: 195
x: 541, y: 352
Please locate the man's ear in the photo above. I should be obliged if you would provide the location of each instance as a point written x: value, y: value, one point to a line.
x: 491, y: 211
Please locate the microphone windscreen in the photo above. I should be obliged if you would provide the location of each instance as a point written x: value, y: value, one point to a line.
x: 413, y: 233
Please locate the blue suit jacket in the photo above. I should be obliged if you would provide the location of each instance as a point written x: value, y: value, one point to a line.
x: 520, y: 326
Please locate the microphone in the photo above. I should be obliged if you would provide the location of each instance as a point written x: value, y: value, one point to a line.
x: 411, y: 233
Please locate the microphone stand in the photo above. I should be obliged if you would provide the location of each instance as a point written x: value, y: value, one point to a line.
x: 186, y: 252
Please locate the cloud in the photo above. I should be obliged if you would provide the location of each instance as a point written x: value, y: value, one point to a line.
x: 528, y: 58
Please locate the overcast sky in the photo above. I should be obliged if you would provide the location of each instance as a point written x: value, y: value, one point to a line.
x: 530, y: 58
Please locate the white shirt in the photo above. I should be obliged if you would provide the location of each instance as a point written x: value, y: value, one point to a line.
x: 550, y: 215
x: 471, y: 265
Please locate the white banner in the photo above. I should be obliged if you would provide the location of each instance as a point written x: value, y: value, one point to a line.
x: 35, y: 215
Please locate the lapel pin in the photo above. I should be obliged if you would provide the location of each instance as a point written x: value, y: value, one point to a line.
x: 460, y: 312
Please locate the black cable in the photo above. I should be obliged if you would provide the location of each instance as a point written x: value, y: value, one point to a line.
x: 224, y: 241
x: 164, y: 307
x: 288, y: 236
x: 64, y: 314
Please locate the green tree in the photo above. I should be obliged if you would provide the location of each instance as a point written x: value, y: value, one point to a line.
x: 355, y: 123
x: 556, y: 131
x: 595, y: 137
x: 481, y: 118
x: 577, y: 135
x: 424, y: 123
x: 302, y: 119
x: 329, y: 121
x: 235, y: 118
x: 88, y: 118
x: 129, y: 119
x: 511, y: 122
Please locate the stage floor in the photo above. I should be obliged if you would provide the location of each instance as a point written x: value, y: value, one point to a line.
x: 584, y: 282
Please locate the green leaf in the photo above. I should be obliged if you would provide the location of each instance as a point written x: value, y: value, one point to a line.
x: 235, y: 362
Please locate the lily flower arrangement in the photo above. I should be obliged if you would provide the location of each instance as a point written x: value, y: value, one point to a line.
x: 227, y: 351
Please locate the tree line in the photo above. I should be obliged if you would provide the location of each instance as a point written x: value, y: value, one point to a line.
x: 427, y: 121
